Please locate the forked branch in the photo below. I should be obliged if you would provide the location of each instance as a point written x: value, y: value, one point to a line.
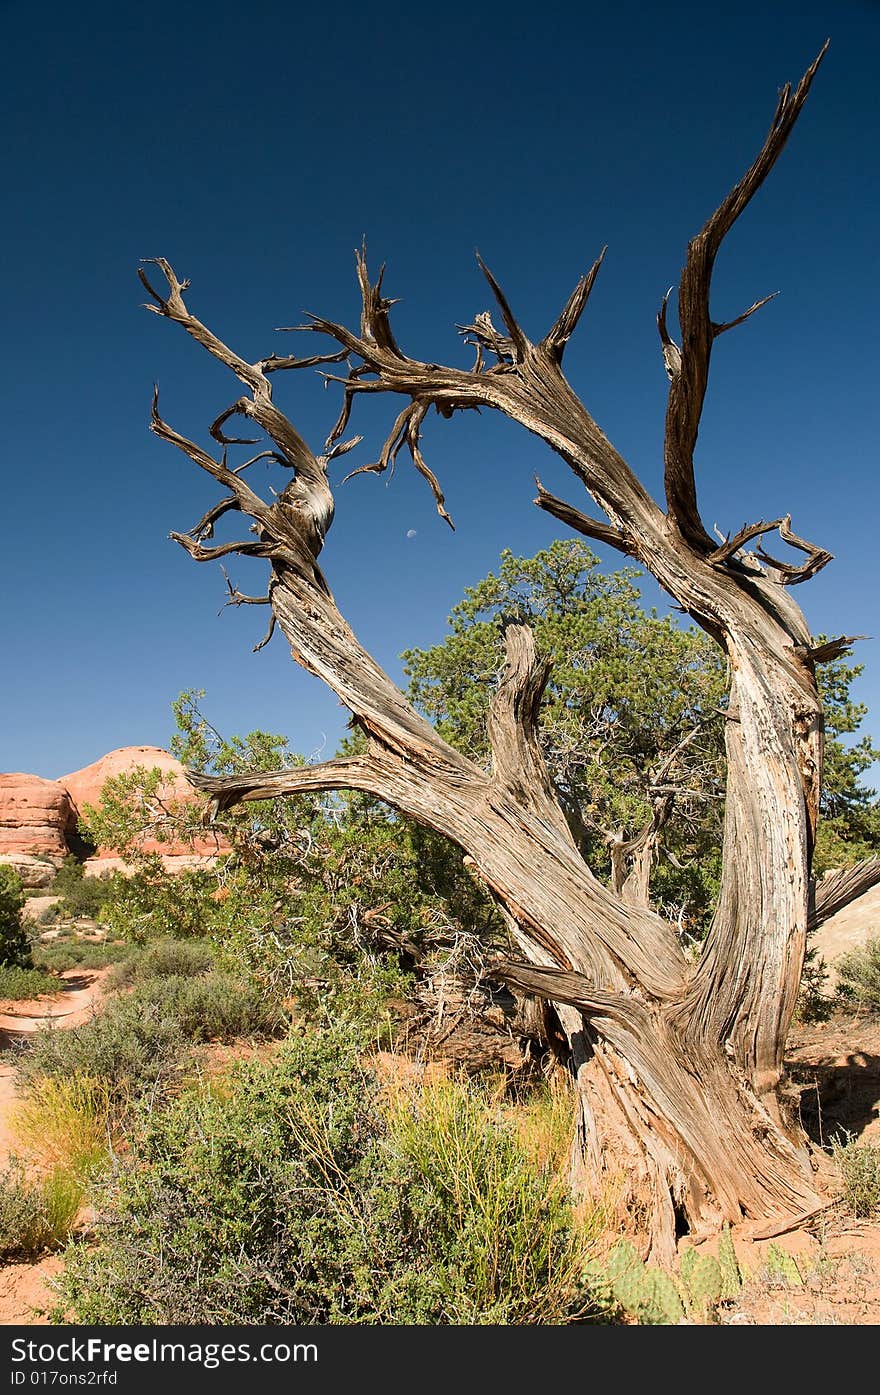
x: 308, y: 492
x: 733, y: 545
x: 555, y: 341
x: 689, y: 366
x: 817, y: 557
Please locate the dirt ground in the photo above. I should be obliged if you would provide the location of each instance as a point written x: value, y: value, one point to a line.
x: 834, y: 1070
x: 24, y: 1295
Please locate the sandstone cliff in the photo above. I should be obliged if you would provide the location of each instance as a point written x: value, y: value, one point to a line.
x: 39, y: 819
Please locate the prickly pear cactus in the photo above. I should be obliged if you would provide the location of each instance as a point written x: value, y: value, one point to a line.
x: 689, y: 1258
x: 705, y: 1283
x: 632, y: 1290
x: 782, y: 1265
x: 656, y: 1298
x: 616, y: 1279
x: 663, y: 1305
x: 622, y: 1259
x: 731, y: 1275
x: 649, y: 1295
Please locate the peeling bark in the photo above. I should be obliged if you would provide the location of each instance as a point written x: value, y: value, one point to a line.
x: 677, y: 1065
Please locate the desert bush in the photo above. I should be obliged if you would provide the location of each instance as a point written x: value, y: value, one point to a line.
x: 80, y: 895
x: 80, y: 954
x: 814, y: 1003
x: 131, y: 1046
x: 66, y: 1123
x: 164, y: 958
x: 211, y: 1007
x: 35, y: 1216
x: 153, y: 903
x: 859, y: 1165
x: 858, y: 978
x: 492, y: 1229
x: 16, y: 982
x: 296, y: 1193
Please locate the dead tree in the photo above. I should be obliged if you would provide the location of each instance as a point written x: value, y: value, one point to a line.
x: 677, y: 1064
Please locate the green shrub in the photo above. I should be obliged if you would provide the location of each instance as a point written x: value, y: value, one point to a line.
x: 858, y: 978
x: 154, y: 903
x: 80, y: 895
x: 80, y: 954
x: 131, y: 1046
x: 859, y: 1165
x: 21, y: 983
x: 294, y: 1193
x: 162, y: 959
x: 212, y: 1007
x: 35, y: 1216
x: 492, y: 1233
x: 15, y: 946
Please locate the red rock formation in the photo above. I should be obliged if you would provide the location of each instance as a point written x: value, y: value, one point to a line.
x: 38, y: 818
x: 85, y: 786
x: 35, y: 817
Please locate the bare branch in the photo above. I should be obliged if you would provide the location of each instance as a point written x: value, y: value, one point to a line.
x: 237, y: 409
x: 580, y: 522
x: 276, y: 363
x: 405, y: 431
x: 270, y: 630
x: 237, y: 598
x: 660, y: 773
x: 483, y: 334
x: 249, y: 502
x: 521, y: 345
x: 205, y: 526
x: 261, y: 409
x: 671, y: 351
x: 342, y: 448
x: 839, y: 889
x: 732, y: 324
x: 530, y: 390
x: 263, y: 455
x: 375, y: 323
x: 173, y: 308
x: 390, y: 449
x: 213, y: 554
x: 351, y: 772
x: 831, y: 649
x: 689, y: 380
x: 732, y: 545
x: 562, y: 986
x: 817, y: 557
x: 555, y: 341
x: 416, y: 417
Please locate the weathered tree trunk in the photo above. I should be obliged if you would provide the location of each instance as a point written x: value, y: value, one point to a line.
x: 677, y: 1065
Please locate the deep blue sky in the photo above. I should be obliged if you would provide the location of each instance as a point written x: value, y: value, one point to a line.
x: 254, y: 148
